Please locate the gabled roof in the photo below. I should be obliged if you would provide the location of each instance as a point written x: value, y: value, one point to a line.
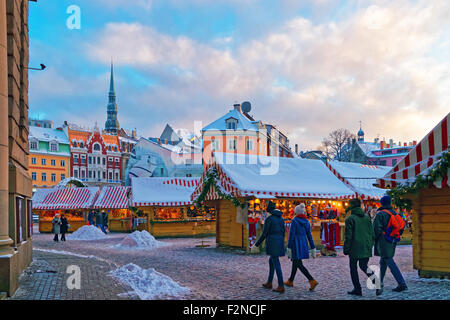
x: 164, y: 192
x: 65, y: 198
x: 243, y: 122
x: 262, y: 176
x: 113, y: 198
x: 360, y: 177
x: 422, y: 158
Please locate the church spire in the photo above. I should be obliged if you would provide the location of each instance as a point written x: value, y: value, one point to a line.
x: 112, y: 124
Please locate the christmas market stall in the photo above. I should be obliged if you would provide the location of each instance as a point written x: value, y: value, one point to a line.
x: 169, y: 210
x: 73, y: 202
x: 361, y: 179
x: 115, y: 201
x: 421, y: 181
x: 239, y: 187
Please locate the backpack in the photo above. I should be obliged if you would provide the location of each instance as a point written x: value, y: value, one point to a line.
x: 395, y: 228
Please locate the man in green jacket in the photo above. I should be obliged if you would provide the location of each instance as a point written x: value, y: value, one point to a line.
x: 358, y: 243
x: 385, y: 249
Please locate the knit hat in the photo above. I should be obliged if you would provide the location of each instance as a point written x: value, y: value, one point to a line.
x: 385, y: 201
x: 271, y: 206
x: 354, y: 203
x: 300, y: 209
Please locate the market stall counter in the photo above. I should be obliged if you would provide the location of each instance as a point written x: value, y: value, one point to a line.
x: 115, y: 201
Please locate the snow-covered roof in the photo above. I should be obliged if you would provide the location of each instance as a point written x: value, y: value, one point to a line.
x: 48, y: 134
x: 243, y: 123
x: 368, y: 147
x: 165, y: 192
x: 360, y: 177
x: 64, y: 198
x: 248, y: 175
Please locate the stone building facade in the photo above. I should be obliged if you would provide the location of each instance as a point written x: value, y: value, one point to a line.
x: 15, y: 182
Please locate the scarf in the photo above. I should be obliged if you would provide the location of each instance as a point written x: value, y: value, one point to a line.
x: 303, y: 216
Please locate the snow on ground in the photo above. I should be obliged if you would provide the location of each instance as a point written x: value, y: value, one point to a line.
x: 149, y: 284
x: 87, y: 233
x: 139, y: 240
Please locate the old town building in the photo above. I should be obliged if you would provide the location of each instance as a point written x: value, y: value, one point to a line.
x: 49, y: 161
x: 15, y: 182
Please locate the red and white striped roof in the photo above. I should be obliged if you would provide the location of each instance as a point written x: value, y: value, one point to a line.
x: 422, y: 158
x: 162, y: 192
x: 65, y: 198
x: 291, y: 178
x: 113, y: 198
x: 360, y: 178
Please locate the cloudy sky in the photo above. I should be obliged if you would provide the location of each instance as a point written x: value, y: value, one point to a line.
x: 306, y: 66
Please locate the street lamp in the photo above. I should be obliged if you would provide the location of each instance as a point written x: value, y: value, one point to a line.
x: 39, y: 69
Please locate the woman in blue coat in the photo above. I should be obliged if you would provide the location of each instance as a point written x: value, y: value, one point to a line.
x: 299, y: 236
x: 273, y: 233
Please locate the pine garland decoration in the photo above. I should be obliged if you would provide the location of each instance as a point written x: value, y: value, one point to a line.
x: 212, y: 176
x: 438, y: 172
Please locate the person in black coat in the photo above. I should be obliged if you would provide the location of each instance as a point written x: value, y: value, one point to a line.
x: 273, y: 233
x: 64, y: 227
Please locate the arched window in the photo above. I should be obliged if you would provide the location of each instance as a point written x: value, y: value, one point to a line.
x: 97, y: 147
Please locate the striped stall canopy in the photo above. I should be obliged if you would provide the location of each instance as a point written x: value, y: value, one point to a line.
x: 421, y: 159
x: 162, y: 192
x: 360, y: 178
x: 113, y: 198
x: 65, y: 198
x: 272, y: 177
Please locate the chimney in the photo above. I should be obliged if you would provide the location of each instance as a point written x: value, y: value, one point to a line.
x: 414, y: 142
x: 405, y: 144
x: 296, y: 148
x: 237, y: 107
x: 382, y: 145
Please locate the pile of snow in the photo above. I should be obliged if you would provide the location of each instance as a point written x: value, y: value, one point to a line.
x: 149, y: 284
x: 87, y: 233
x: 140, y: 240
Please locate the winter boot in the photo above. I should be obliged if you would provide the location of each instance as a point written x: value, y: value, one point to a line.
x: 289, y: 283
x: 267, y: 285
x: 279, y: 289
x: 400, y: 288
x: 379, y: 291
x: 312, y: 284
x: 355, y: 292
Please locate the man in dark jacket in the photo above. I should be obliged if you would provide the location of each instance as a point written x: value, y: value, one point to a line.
x: 99, y: 221
x: 105, y: 220
x: 385, y: 249
x: 91, y: 218
x: 273, y: 233
x: 358, y: 243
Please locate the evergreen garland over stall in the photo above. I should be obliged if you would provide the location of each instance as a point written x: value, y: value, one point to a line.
x: 438, y: 172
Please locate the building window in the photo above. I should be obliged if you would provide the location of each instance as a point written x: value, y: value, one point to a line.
x: 53, y: 162
x: 83, y: 174
x: 90, y: 174
x: 83, y: 159
x: 33, y: 145
x: 249, y: 145
x: 232, y: 144
x: 97, y: 147
x: 75, y: 173
x: 44, y: 162
x: 98, y: 160
x: 110, y: 176
x: 33, y: 160
x: 215, y: 145
x: 63, y: 176
x: 104, y: 161
x: 44, y: 176
x: 117, y: 176
x: 90, y: 160
x: 93, y: 174
x: 53, y: 177
x: 33, y: 176
x: 53, y: 146
x: 231, y: 124
x: 104, y: 175
x: 394, y: 162
x: 63, y: 163
x: 75, y: 158
x: 81, y: 145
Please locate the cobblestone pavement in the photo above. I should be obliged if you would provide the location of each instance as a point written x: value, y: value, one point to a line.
x: 212, y: 273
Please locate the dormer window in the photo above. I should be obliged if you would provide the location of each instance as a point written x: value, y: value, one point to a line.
x: 33, y: 145
x: 97, y: 147
x: 231, y: 123
x: 54, y: 146
x: 81, y: 145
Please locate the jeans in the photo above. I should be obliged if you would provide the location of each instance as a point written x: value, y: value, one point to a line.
x: 102, y: 227
x: 354, y: 271
x: 297, y: 264
x: 389, y: 262
x: 274, y: 265
x: 55, y: 238
x: 63, y: 237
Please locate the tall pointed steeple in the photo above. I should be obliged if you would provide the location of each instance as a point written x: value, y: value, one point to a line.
x: 112, y: 124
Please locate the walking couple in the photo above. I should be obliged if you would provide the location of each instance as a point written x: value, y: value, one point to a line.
x: 299, y: 236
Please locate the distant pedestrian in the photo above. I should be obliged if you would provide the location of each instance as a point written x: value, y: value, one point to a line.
x: 384, y: 247
x: 299, y: 236
x: 99, y: 221
x: 105, y: 220
x: 64, y: 227
x: 56, y: 227
x: 91, y: 218
x: 273, y: 233
x: 358, y: 243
